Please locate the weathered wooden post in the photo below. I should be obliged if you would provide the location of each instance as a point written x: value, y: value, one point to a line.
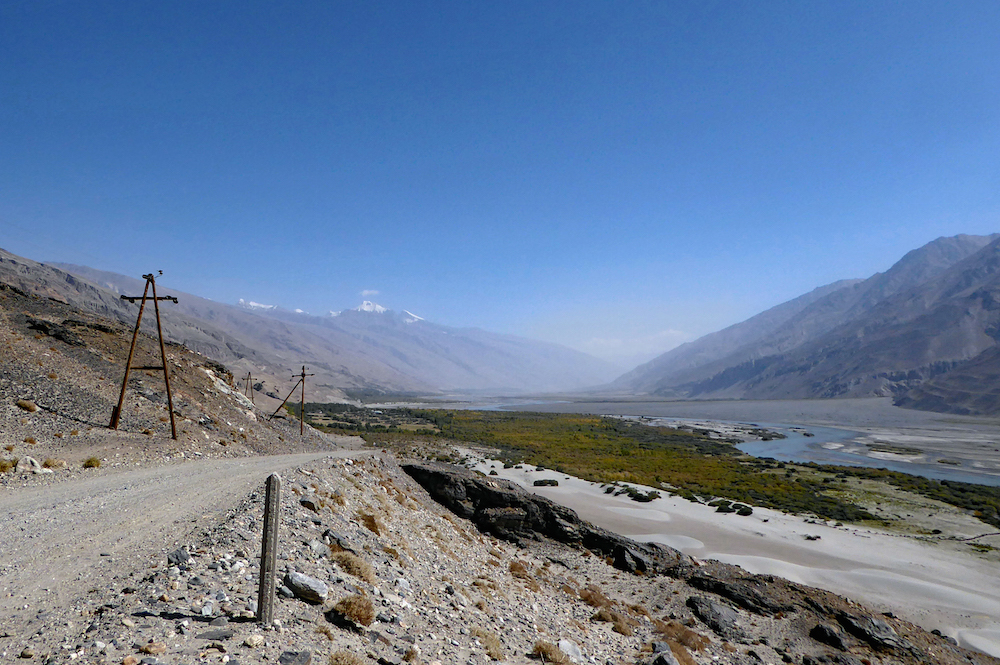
x: 269, y: 550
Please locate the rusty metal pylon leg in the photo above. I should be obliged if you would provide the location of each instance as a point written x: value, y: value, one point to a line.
x: 116, y: 416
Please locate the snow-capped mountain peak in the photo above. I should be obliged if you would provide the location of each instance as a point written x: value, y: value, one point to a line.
x: 369, y: 306
x: 250, y: 304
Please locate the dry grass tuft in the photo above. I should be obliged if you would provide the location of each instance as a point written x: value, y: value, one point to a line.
x: 394, y: 553
x: 9, y: 447
x: 354, y: 565
x: 91, y: 463
x: 681, y: 634
x: 619, y: 622
x: 357, y: 608
x: 30, y: 440
x: 490, y: 642
x: 346, y: 658
x: 371, y: 522
x: 53, y: 463
x: 411, y: 655
x: 7, y: 465
x: 594, y: 597
x: 325, y: 630
x: 549, y: 653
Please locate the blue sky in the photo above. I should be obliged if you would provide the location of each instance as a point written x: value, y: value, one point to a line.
x: 616, y: 176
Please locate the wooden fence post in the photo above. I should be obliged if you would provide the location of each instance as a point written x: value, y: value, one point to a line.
x: 269, y: 550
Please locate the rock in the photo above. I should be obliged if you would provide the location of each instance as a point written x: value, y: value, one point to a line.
x: 221, y: 634
x: 207, y: 610
x: 571, y: 649
x: 130, y: 660
x: 331, y: 537
x: 28, y: 465
x: 178, y: 557
x: 829, y: 635
x: 27, y: 652
x: 629, y: 560
x: 295, y: 658
x: 753, y: 593
x: 659, y: 646
x: 501, y: 508
x: 154, y: 648
x: 546, y: 482
x: 56, y: 330
x: 219, y: 622
x: 285, y: 592
x: 664, y: 658
x: 27, y: 405
x: 876, y: 632
x: 253, y: 641
x: 310, y: 503
x: 720, y: 618
x: 307, y: 588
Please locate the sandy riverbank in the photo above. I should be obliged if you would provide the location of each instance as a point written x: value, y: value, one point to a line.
x: 933, y: 585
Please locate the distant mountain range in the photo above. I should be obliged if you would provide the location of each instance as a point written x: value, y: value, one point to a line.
x: 925, y: 332
x: 366, y: 350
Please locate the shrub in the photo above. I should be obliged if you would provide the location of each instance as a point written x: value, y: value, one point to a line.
x: 52, y: 463
x: 371, y: 522
x: 490, y: 642
x: 357, y: 608
x: 593, y: 597
x: 91, y: 463
x: 346, y: 658
x: 7, y: 465
x: 354, y: 565
x: 549, y: 653
x: 619, y: 622
x: 677, y: 632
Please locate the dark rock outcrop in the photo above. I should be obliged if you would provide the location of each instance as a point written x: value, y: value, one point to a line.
x: 721, y: 618
x: 501, y: 508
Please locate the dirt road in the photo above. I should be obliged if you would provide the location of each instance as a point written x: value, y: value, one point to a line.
x: 59, y: 541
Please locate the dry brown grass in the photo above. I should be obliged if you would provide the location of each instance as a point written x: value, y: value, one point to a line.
x: 325, y: 630
x: 594, y: 597
x: 354, y: 565
x: 619, y: 622
x: 9, y: 447
x: 357, y: 608
x: 346, y: 658
x: 7, y: 465
x: 371, y: 522
x: 411, y: 655
x: 549, y: 653
x: 53, y: 463
x: 490, y: 642
x: 91, y: 463
x: 30, y: 440
x: 394, y: 553
x: 681, y: 634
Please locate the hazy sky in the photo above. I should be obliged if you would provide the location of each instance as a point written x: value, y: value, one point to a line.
x: 616, y: 176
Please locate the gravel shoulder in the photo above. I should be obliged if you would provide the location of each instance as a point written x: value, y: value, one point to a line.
x: 62, y: 539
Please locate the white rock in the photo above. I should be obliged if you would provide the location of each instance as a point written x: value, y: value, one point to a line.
x: 572, y: 651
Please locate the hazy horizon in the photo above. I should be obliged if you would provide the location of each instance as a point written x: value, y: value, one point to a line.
x: 619, y: 178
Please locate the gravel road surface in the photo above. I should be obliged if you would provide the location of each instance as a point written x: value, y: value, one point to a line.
x: 61, y: 540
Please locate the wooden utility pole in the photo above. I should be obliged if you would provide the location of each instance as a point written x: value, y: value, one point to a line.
x: 150, y: 282
x: 248, y: 390
x: 302, y: 402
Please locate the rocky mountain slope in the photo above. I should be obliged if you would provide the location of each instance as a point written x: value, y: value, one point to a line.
x: 373, y: 569
x: 376, y: 349
x: 888, y: 335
